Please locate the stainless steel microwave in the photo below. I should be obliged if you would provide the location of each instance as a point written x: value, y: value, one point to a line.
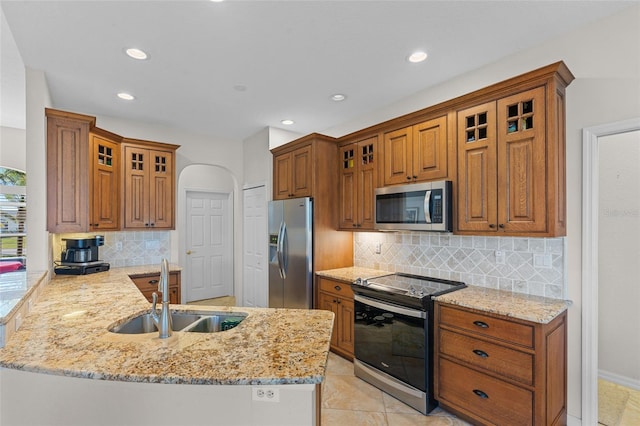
x: 417, y: 207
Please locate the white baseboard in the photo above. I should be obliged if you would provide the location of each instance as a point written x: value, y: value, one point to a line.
x: 619, y: 380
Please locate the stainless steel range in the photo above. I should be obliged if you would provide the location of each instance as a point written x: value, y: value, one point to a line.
x: 394, y: 335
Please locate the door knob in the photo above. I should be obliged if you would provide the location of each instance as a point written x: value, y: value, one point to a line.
x: 189, y: 251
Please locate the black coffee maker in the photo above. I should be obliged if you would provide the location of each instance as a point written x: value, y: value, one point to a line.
x: 80, y: 256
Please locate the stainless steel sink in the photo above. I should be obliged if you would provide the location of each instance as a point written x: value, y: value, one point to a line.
x: 144, y: 324
x: 215, y: 323
x: 197, y: 322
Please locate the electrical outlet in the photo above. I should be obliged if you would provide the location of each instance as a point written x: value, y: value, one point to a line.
x: 500, y: 257
x: 119, y: 246
x: 265, y: 394
x: 378, y: 248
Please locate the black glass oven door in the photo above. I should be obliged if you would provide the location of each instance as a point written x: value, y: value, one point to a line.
x: 392, y: 339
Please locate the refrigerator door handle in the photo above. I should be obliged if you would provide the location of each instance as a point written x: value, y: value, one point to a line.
x: 279, y: 251
x: 283, y: 251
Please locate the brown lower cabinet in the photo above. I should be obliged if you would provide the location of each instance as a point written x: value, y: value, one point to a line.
x: 148, y: 283
x: 337, y: 297
x: 496, y: 370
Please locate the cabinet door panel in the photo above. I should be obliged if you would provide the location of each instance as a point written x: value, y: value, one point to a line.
x: 345, y: 324
x: 136, y: 201
x: 348, y: 187
x: 282, y: 173
x: 367, y: 182
x: 161, y: 190
x: 327, y: 302
x: 302, y: 167
x: 67, y: 175
x: 430, y: 159
x: 105, y: 187
x: 522, y: 162
x: 477, y: 172
x: 397, y: 163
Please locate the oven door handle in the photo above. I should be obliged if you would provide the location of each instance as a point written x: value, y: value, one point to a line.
x: 389, y: 307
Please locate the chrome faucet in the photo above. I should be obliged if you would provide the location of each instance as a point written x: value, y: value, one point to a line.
x: 162, y: 321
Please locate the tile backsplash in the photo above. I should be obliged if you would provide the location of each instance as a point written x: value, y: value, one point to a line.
x: 524, y: 265
x: 127, y: 248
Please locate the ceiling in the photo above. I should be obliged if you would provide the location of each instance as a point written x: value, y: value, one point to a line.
x: 230, y: 69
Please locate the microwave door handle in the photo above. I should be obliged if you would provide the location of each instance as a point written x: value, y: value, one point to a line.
x: 427, y: 206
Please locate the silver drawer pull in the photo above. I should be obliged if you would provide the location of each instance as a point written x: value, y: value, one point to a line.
x: 481, y: 394
x: 480, y: 353
x: 481, y: 324
x: 153, y: 281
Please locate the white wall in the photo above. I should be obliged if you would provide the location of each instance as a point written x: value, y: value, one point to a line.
x: 605, y: 59
x: 279, y: 137
x: 257, y: 162
x: 39, y: 255
x: 619, y: 251
x: 13, y: 148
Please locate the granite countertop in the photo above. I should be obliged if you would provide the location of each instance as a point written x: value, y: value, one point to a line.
x: 66, y: 334
x: 15, y: 288
x: 516, y: 305
x: 349, y: 274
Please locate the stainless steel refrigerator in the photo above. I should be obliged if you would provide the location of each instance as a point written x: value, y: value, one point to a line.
x: 290, y: 253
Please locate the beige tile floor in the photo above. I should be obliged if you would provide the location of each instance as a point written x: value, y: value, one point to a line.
x: 347, y: 400
x: 631, y: 411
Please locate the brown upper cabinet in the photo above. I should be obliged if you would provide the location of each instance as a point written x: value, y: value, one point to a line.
x: 293, y: 174
x: 417, y: 153
x: 503, y: 147
x: 510, y: 180
x: 358, y: 162
x: 148, y: 185
x: 85, y: 188
x: 104, y: 176
x: 68, y: 171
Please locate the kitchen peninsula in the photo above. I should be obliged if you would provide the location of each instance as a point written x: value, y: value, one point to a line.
x: 64, y: 367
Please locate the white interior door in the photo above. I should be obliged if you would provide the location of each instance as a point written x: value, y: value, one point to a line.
x: 255, y: 284
x: 209, y: 245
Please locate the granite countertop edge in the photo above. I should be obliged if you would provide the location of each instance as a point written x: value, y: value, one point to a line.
x: 522, y: 306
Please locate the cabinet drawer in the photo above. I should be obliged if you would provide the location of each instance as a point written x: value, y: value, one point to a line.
x: 477, y: 323
x: 490, y: 399
x: 150, y: 282
x: 498, y: 359
x: 336, y: 287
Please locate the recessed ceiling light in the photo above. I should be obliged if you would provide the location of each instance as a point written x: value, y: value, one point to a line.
x: 137, y: 53
x: 338, y: 97
x: 416, y: 57
x: 217, y: 1
x: 287, y: 122
x: 126, y: 96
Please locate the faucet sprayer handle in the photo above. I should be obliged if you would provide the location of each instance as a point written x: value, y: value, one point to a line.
x: 154, y: 301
